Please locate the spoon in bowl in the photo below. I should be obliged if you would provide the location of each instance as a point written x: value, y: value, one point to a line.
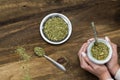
x: 40, y: 52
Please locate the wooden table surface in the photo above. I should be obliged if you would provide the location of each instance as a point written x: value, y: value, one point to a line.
x: 19, y: 26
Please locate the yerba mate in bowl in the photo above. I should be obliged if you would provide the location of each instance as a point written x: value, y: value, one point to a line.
x: 99, y: 53
x: 55, y: 28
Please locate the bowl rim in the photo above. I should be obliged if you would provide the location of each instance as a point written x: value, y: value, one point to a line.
x: 99, y: 61
x: 61, y: 16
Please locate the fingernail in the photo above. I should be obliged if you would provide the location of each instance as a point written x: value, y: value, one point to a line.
x: 106, y: 38
x: 88, y: 42
x: 91, y: 39
x: 83, y: 54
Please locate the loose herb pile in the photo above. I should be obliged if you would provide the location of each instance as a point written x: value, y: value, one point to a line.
x: 100, y: 51
x: 25, y: 67
x: 22, y: 53
x: 55, y: 29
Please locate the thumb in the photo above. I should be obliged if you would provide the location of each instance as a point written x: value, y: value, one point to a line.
x: 107, y: 39
x: 87, y: 59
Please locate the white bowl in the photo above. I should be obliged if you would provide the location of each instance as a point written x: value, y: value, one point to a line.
x: 99, y: 61
x: 55, y: 15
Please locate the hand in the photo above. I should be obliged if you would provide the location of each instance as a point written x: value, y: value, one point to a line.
x: 113, y: 65
x: 100, y: 71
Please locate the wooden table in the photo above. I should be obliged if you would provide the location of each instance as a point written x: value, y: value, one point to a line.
x: 19, y: 26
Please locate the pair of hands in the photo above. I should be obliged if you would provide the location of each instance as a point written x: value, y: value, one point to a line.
x: 101, y: 71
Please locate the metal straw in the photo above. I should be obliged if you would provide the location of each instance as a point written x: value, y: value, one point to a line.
x: 94, y: 30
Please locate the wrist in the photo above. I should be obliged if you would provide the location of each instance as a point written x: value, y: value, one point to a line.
x: 105, y: 76
x: 114, y: 69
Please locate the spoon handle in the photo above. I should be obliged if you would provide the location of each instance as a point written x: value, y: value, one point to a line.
x: 61, y: 67
x: 94, y: 30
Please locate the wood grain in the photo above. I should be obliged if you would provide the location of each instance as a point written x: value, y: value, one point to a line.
x: 19, y: 26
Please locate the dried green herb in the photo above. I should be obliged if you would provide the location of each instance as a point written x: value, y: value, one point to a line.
x: 39, y: 51
x: 100, y: 51
x: 55, y: 29
x: 22, y: 53
x: 27, y: 77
